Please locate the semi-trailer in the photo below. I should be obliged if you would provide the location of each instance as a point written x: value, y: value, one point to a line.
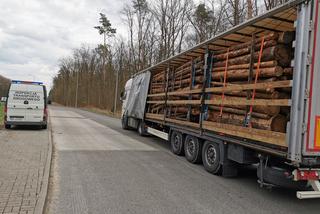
x: 250, y: 95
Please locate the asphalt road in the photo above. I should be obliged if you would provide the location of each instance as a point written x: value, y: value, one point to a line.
x: 100, y: 168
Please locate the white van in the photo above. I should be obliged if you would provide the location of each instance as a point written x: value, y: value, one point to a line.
x: 26, y: 104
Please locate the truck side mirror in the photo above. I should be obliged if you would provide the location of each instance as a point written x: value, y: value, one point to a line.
x: 121, y: 96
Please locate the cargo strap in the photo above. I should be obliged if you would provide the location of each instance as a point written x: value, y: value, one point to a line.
x: 224, y: 82
x: 255, y: 82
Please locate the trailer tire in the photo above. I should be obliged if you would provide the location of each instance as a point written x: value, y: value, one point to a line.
x: 176, y: 140
x: 124, y: 122
x: 192, y: 149
x: 211, y: 157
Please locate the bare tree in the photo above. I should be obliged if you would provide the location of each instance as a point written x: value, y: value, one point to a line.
x: 269, y: 4
x: 157, y: 30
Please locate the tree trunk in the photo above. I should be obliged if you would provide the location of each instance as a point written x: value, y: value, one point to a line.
x: 244, y: 73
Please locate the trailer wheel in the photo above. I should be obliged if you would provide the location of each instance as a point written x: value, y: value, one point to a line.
x: 192, y: 149
x: 124, y: 122
x: 176, y: 140
x: 211, y: 157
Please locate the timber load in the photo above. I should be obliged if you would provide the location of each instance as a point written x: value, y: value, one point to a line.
x: 247, y: 85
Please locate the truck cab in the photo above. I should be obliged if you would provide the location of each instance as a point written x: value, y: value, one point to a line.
x: 125, y: 96
x: 134, y: 99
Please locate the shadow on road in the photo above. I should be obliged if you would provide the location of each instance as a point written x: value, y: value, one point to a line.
x: 25, y: 128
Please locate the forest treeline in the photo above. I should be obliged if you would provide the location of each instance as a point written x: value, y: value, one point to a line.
x: 4, y: 86
x: 157, y: 29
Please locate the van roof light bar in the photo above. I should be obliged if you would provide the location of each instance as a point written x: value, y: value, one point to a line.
x: 26, y: 82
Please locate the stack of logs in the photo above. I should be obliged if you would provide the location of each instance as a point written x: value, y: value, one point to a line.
x: 275, y: 66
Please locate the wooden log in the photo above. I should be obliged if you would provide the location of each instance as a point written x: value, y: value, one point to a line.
x: 198, y: 60
x: 159, y: 90
x: 283, y: 38
x: 243, y: 74
x: 184, y: 110
x: 244, y: 51
x: 229, y: 88
x: 270, y: 110
x: 258, y: 95
x: 281, y: 53
x: 288, y: 71
x: 239, y: 112
x: 177, y: 85
x: 276, y: 123
x: 271, y: 36
x: 158, y: 74
x: 266, y: 89
x: 197, y: 79
x: 225, y: 109
x: 266, y: 136
x: 178, y: 89
x: 231, y: 101
x: 266, y: 64
x: 178, y: 74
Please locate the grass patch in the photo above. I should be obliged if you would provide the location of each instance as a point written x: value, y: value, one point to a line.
x: 1, y: 113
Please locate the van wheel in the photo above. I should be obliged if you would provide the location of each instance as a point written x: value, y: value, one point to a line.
x: 176, y: 141
x: 192, y: 149
x: 211, y: 157
x: 44, y: 126
x: 7, y: 126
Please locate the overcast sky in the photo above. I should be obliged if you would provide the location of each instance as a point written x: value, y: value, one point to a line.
x: 34, y: 34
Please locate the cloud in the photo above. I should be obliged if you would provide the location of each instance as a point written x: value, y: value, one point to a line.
x: 34, y: 34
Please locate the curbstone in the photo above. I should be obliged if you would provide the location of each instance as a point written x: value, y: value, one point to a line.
x: 40, y: 205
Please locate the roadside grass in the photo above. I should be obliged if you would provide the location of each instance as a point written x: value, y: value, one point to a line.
x: 1, y: 114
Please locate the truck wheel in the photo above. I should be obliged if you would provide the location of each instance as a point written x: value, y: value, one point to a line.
x: 211, y: 157
x: 7, y: 126
x: 176, y: 141
x: 192, y: 149
x: 124, y: 122
x: 141, y: 129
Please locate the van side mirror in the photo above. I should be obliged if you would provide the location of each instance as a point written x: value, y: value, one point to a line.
x: 3, y: 99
